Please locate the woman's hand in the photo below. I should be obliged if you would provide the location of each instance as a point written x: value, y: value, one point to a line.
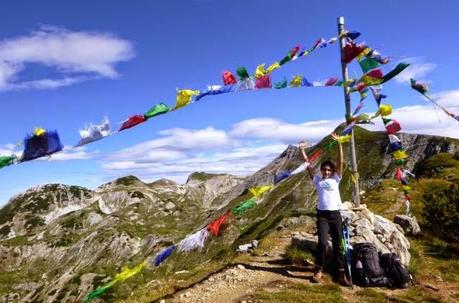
x: 302, y: 145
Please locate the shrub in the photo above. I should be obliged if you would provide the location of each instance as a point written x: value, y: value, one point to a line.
x: 441, y: 210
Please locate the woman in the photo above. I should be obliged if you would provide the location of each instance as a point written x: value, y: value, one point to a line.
x: 328, y: 215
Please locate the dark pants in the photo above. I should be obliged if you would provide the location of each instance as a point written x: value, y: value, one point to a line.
x: 329, y: 221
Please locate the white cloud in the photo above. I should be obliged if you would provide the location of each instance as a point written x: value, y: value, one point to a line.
x: 447, y: 98
x: 77, y: 56
x: 422, y: 119
x: 70, y: 153
x: 274, y: 129
x: 416, y: 70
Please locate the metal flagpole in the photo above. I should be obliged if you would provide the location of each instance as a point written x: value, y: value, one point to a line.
x: 347, y: 102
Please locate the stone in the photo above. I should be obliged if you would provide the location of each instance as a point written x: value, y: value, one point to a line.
x: 409, y: 224
x: 170, y: 206
x: 364, y: 226
x: 240, y: 266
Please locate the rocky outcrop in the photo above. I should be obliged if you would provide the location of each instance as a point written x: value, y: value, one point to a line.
x: 408, y: 223
x: 364, y: 226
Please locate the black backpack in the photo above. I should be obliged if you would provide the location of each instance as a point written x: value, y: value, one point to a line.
x: 366, y: 270
x: 395, y: 271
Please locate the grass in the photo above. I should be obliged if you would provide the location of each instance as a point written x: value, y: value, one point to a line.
x: 301, y: 294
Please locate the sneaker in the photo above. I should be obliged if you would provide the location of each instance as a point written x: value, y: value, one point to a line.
x: 343, y: 280
x: 317, y: 277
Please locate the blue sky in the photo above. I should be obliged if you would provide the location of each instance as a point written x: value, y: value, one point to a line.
x: 114, y: 59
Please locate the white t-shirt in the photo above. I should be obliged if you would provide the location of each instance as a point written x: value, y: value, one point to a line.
x: 328, y: 191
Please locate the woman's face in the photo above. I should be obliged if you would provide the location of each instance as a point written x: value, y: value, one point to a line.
x: 327, y: 171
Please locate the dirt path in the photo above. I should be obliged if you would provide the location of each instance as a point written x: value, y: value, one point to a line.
x: 271, y: 273
x: 241, y: 280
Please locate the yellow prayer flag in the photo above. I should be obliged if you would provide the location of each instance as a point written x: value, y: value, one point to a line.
x: 272, y: 67
x: 348, y: 82
x: 385, y: 109
x: 184, y: 97
x: 406, y: 187
x: 127, y: 273
x: 369, y: 81
x: 259, y: 190
x: 399, y: 155
x: 344, y: 139
x: 260, y: 71
x: 296, y: 81
x: 365, y: 52
x: 39, y: 131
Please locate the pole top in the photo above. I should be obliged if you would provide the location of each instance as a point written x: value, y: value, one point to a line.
x: 341, y: 20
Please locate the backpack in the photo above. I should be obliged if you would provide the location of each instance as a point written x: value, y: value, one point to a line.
x: 395, y: 271
x: 366, y: 270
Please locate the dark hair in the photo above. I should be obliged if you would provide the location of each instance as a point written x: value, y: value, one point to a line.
x: 328, y: 163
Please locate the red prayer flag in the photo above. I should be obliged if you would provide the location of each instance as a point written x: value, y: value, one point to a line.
x: 132, y: 121
x: 218, y: 224
x: 315, y: 155
x: 228, y: 78
x: 352, y: 50
x: 375, y: 73
x: 263, y: 82
x: 332, y: 81
x: 392, y: 127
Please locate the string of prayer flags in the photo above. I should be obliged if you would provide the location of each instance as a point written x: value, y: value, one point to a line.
x: 228, y: 78
x: 41, y: 143
x: 281, y: 84
x: 242, y: 73
x: 193, y: 241
x: 243, y: 207
x: 156, y: 110
x: 299, y: 169
x: 163, y: 255
x: 93, y: 132
x: 423, y: 89
x: 7, y: 160
x: 259, y: 190
x: 132, y: 121
x: 291, y: 54
x: 263, y: 82
x: 184, y: 97
x: 218, y: 224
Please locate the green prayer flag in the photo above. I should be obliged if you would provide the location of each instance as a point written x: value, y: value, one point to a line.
x: 397, y: 70
x: 156, y: 110
x: 281, y: 84
x: 6, y: 160
x: 368, y: 64
x: 98, y: 291
x: 243, y: 207
x: 242, y: 73
x: 285, y: 60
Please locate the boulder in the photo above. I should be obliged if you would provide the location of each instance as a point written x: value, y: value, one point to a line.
x: 364, y: 226
x: 408, y: 223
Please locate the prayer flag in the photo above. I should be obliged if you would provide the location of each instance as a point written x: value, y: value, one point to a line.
x: 132, y: 121
x: 242, y: 73
x: 156, y: 110
x: 228, y: 78
x: 263, y: 82
x: 184, y: 97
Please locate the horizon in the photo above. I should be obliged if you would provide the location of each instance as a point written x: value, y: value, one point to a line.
x: 136, y: 55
